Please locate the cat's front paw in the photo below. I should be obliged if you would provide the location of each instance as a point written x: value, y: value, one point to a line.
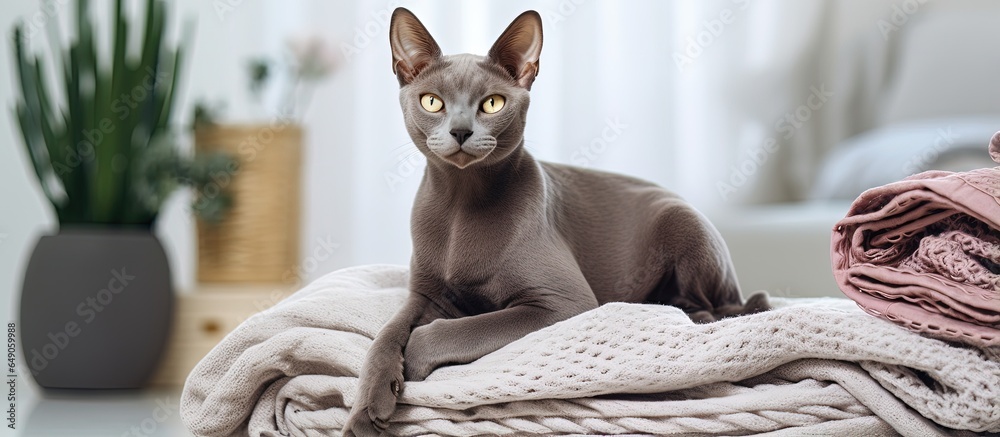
x: 421, y: 354
x: 359, y: 424
x: 376, y: 399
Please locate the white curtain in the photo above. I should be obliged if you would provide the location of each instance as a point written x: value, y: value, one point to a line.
x: 769, y: 97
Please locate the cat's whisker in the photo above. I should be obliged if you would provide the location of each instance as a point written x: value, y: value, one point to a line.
x: 397, y: 149
x: 411, y: 154
x: 400, y: 154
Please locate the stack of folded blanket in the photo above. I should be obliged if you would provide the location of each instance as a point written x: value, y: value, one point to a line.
x: 808, y: 367
x: 925, y: 253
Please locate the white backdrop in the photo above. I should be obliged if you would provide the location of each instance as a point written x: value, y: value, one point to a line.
x: 684, y: 93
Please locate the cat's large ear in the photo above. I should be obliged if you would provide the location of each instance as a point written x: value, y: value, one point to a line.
x: 413, y: 49
x: 518, y: 48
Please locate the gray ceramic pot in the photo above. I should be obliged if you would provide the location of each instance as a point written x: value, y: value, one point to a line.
x: 96, y: 308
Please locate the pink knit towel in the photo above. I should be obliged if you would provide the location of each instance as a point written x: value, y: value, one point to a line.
x: 925, y: 253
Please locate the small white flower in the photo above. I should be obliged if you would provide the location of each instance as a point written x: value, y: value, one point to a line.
x: 313, y: 56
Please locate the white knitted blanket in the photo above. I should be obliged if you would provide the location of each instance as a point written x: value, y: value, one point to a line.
x: 817, y: 367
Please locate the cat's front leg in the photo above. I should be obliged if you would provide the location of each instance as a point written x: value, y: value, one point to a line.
x: 381, y: 378
x: 466, y: 339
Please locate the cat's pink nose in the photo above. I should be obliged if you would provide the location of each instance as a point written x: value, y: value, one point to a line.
x: 461, y: 135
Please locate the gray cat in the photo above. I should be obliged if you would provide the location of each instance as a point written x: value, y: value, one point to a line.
x: 504, y: 245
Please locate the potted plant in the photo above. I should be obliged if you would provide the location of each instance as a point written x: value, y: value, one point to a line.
x: 97, y: 302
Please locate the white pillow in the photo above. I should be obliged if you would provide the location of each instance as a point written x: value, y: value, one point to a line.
x: 890, y: 153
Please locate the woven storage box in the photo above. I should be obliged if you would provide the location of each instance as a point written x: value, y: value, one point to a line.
x: 258, y: 240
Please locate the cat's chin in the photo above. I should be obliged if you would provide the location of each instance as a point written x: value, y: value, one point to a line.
x: 462, y: 159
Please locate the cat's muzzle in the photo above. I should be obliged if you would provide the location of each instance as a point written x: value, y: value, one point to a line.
x: 470, y: 152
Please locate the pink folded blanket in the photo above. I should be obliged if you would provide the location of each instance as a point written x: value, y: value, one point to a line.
x: 925, y: 253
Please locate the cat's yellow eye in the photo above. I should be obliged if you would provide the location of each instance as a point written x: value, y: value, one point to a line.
x: 431, y: 103
x: 493, y: 104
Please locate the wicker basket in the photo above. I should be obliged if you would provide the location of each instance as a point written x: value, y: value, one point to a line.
x: 258, y: 240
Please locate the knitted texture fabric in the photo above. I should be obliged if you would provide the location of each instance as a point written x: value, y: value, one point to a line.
x: 925, y: 253
x: 957, y: 254
x: 810, y: 366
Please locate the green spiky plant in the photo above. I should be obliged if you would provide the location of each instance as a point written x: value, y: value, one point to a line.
x: 106, y: 155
